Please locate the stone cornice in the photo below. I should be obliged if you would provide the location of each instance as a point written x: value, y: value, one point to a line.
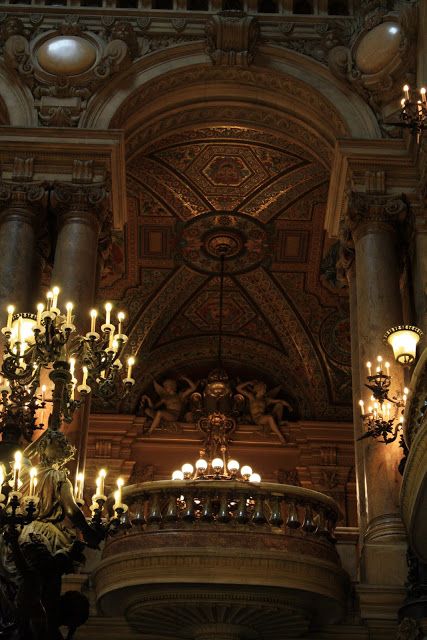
x: 354, y: 164
x: 57, y: 154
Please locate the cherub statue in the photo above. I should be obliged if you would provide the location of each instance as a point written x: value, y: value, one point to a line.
x: 171, y: 403
x: 256, y: 393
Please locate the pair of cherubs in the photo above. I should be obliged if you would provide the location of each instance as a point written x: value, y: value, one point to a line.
x: 171, y: 404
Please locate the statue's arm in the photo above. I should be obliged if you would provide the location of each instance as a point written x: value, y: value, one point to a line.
x: 242, y: 388
x: 75, y: 514
x: 158, y: 388
x: 192, y: 386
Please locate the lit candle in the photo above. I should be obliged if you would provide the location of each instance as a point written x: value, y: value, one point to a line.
x: 93, y: 315
x: 419, y: 107
x: 111, y: 340
x: 10, y: 311
x: 379, y: 359
x: 387, y: 368
x: 55, y: 292
x: 69, y: 307
x: 19, y: 334
x: 120, y: 317
x: 362, y: 407
x: 40, y: 309
x: 33, y: 481
x: 16, y: 470
x: 101, y: 478
x: 406, y: 91
x: 85, y: 372
x: 108, y: 308
x: 131, y: 362
x: 72, y: 362
x: 49, y: 297
x: 120, y: 483
x: 80, y: 479
x: 403, y: 103
x: 423, y: 94
x: 369, y: 365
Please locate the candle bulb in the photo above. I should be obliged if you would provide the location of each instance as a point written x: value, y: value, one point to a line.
x: 10, y: 311
x: 69, y: 307
x: 369, y: 365
x: 362, y: 407
x: 93, y: 315
x: 79, y: 486
x: 423, y: 94
x: 33, y: 481
x: 406, y: 91
x: 72, y: 362
x: 55, y: 292
x: 131, y: 362
x: 108, y: 308
x: 49, y: 297
x: 101, y: 478
x: 387, y: 368
x: 379, y: 359
x: 120, y: 483
x: 120, y: 317
x: 40, y: 309
x: 85, y: 373
x: 16, y: 470
x: 403, y: 103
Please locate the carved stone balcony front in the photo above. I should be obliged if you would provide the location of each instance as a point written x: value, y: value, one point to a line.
x: 223, y: 559
x: 414, y: 486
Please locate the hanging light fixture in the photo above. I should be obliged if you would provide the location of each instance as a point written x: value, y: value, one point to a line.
x: 413, y: 112
x: 215, y: 461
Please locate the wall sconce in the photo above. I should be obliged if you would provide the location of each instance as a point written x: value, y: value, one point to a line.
x: 403, y: 339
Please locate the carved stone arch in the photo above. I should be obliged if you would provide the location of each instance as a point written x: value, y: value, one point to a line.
x: 17, y: 99
x: 297, y: 84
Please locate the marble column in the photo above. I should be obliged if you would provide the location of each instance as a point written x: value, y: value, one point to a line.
x: 21, y: 212
x: 373, y: 220
x: 347, y: 266
x: 80, y: 210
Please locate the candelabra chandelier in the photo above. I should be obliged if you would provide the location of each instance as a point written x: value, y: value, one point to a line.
x: 383, y: 418
x: 48, y: 341
x: 215, y: 462
x: 413, y: 113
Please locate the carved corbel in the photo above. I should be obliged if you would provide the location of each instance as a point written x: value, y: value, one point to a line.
x: 232, y: 38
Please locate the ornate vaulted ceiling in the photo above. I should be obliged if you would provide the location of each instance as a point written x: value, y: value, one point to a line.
x: 266, y: 195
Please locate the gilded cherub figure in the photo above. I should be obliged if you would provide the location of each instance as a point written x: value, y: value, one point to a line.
x: 256, y: 393
x: 171, y: 403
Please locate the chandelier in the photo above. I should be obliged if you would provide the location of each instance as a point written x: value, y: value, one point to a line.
x: 215, y: 462
x: 47, y: 341
x: 46, y: 348
x: 413, y: 112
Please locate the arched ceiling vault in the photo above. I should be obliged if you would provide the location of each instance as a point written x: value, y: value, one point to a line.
x: 261, y: 184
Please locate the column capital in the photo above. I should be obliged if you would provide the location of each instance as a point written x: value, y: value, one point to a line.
x: 373, y: 213
x: 85, y: 203
x: 21, y: 199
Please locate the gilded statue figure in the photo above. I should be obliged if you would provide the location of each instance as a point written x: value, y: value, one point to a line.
x: 256, y: 393
x: 171, y: 403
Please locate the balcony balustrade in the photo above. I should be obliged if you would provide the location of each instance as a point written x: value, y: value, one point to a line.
x: 258, y: 559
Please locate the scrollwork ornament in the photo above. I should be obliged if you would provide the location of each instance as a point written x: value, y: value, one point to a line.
x: 368, y: 211
x: 73, y: 199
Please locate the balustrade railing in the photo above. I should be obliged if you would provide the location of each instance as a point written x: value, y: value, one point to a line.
x: 169, y: 504
x: 287, y: 7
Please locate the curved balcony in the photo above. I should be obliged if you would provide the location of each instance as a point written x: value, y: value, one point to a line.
x: 223, y: 559
x: 414, y: 486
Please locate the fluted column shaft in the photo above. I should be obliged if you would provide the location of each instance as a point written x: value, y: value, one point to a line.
x: 80, y: 211
x: 373, y: 222
x: 20, y: 213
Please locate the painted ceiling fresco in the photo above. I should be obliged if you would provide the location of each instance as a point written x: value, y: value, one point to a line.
x: 283, y: 319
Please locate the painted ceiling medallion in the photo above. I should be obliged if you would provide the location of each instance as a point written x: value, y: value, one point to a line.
x: 240, y: 238
x: 66, y: 55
